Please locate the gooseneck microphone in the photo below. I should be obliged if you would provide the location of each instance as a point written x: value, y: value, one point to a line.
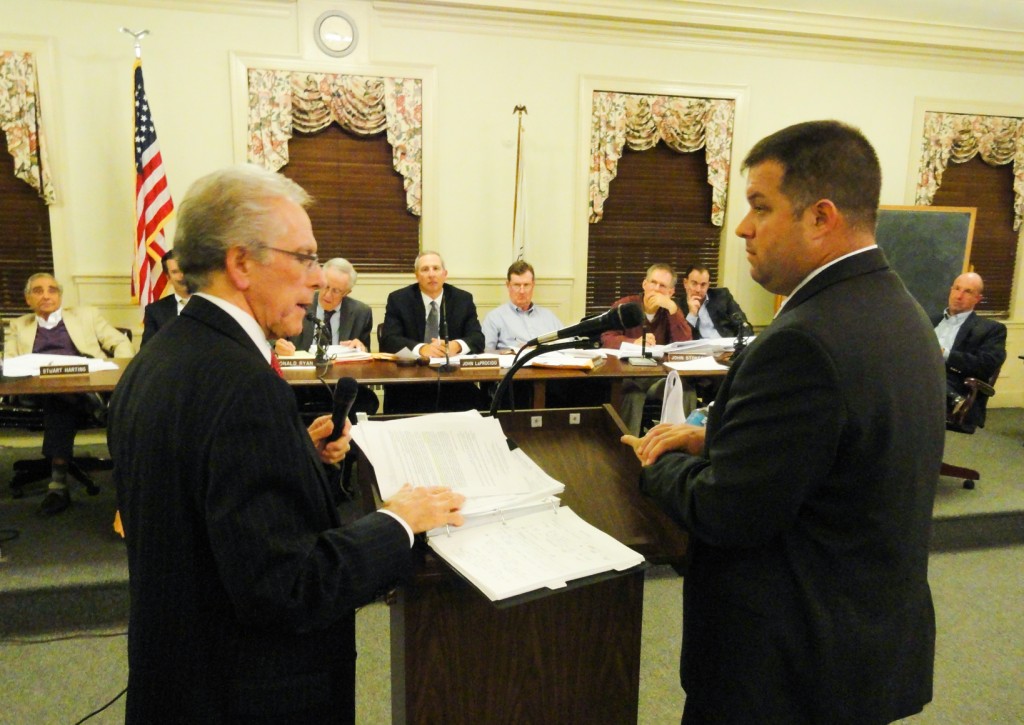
x: 319, y: 336
x: 742, y: 326
x: 344, y: 396
x: 617, y: 318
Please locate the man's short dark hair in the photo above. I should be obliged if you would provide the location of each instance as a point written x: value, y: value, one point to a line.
x: 825, y: 160
x: 695, y: 268
x: 520, y: 266
x: 168, y: 255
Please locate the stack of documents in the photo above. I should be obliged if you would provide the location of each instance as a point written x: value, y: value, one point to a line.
x: 516, y: 537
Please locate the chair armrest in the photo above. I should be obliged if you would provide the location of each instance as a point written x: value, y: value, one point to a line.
x: 980, y: 386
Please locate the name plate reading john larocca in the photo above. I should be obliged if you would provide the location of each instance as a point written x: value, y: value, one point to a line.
x: 479, y: 362
x: 297, y: 362
x: 78, y: 369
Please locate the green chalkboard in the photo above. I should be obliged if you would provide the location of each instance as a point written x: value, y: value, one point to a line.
x: 928, y: 246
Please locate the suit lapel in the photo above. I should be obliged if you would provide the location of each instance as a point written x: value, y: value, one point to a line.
x: 965, y: 330
x: 872, y: 260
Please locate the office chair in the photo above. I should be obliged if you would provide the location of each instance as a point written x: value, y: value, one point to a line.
x: 26, y: 416
x: 963, y: 422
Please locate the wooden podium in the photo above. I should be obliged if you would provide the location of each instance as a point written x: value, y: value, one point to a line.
x: 570, y: 655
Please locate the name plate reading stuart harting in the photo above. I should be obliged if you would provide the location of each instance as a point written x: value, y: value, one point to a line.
x: 77, y: 369
x: 297, y: 362
x: 479, y: 362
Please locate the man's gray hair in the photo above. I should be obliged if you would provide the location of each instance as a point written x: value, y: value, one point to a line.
x: 425, y: 253
x: 39, y: 275
x: 344, y: 266
x: 227, y: 208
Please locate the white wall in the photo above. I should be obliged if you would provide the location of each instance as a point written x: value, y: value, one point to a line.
x: 478, y: 62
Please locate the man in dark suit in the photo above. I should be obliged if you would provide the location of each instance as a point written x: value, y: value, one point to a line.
x: 425, y: 317
x: 243, y: 585
x: 808, y: 497
x: 973, y: 346
x: 158, y: 314
x: 409, y: 310
x: 711, y: 312
x: 348, y: 321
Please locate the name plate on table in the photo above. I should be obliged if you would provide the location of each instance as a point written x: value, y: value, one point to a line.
x: 479, y: 362
x: 683, y: 356
x: 79, y: 369
x: 297, y: 362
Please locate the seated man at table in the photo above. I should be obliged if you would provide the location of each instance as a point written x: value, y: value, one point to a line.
x: 347, y: 321
x: 972, y: 346
x: 52, y: 328
x: 160, y: 313
x: 426, y: 317
x: 664, y: 323
x: 510, y: 326
x: 711, y: 312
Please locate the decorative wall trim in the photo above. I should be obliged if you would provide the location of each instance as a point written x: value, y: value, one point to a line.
x: 719, y: 27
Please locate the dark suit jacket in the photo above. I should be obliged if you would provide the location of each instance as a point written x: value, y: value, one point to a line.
x: 978, y: 351
x: 807, y: 598
x: 243, y: 585
x: 405, y: 319
x: 157, y: 315
x: 721, y: 307
x: 355, y: 322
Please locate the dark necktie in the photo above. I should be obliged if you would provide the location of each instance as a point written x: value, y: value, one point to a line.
x: 433, y: 323
x: 275, y: 363
x: 328, y: 330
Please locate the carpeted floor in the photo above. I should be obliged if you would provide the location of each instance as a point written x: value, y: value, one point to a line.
x: 68, y: 574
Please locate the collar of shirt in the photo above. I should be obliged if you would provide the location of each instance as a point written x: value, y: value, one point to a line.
x: 519, y: 310
x: 958, y: 318
x: 182, y: 301
x: 818, y: 271
x: 55, y: 318
x: 243, y: 318
x: 427, y: 300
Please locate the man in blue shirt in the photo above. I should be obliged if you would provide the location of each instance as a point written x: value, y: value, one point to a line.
x: 511, y: 325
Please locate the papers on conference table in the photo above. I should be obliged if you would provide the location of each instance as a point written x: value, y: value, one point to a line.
x: 516, y: 537
x: 28, y: 365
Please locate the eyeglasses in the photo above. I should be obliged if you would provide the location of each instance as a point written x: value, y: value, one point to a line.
x: 309, y: 261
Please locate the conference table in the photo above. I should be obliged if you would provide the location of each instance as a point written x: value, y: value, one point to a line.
x: 377, y: 372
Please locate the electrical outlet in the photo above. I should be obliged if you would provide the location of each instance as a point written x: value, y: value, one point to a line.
x: 574, y: 418
x: 536, y: 421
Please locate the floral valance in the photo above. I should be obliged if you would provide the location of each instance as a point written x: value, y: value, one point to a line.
x: 957, y: 137
x: 21, y: 121
x: 640, y: 121
x: 283, y: 101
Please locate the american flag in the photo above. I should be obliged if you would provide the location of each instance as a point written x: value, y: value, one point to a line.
x: 153, y: 204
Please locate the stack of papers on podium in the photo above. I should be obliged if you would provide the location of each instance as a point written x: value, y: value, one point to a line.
x: 27, y: 365
x: 343, y: 353
x: 516, y: 537
x: 544, y: 549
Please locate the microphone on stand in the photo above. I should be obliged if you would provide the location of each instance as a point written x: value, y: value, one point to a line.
x: 740, y: 320
x: 447, y: 367
x: 319, y: 330
x: 617, y: 318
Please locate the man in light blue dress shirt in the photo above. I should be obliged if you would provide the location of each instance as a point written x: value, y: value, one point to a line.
x: 511, y: 325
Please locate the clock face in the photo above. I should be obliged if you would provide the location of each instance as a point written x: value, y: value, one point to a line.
x: 335, y: 33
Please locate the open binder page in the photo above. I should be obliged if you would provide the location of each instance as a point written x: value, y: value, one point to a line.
x: 544, y: 549
x: 465, y: 451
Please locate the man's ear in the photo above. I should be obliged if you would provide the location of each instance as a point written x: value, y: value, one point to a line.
x: 238, y: 265
x: 825, y: 217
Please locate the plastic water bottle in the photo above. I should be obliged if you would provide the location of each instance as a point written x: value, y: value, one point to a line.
x: 698, y: 416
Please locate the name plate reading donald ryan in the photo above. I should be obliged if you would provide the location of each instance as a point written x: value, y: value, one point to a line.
x: 297, y: 362
x: 479, y: 362
x: 80, y: 369
x: 682, y: 356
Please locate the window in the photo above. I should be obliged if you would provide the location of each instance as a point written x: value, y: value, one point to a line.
x: 994, y: 248
x: 25, y: 245
x: 360, y: 204
x: 657, y: 211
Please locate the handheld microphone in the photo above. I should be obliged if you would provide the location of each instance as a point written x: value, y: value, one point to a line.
x: 344, y: 396
x: 617, y: 318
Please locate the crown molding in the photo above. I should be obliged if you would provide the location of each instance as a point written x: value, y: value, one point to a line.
x: 268, y: 8
x: 719, y: 26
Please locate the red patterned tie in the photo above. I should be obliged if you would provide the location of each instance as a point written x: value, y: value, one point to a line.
x: 275, y: 363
